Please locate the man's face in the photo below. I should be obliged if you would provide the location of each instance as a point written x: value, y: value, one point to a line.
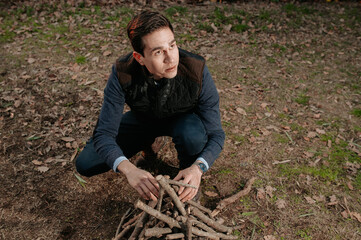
x: 161, y: 56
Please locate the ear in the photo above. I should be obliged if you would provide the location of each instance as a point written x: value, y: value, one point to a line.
x: 138, y: 57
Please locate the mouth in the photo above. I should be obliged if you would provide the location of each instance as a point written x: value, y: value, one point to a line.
x: 171, y: 69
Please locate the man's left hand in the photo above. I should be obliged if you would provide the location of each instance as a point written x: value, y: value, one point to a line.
x: 191, y: 175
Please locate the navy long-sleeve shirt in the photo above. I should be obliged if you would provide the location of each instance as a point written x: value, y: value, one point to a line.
x: 112, y: 110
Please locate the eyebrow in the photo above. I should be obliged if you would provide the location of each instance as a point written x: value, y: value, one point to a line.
x: 157, y: 48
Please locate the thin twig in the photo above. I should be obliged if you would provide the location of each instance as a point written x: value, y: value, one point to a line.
x: 209, y: 221
x: 289, y: 137
x: 151, y: 211
x: 163, y: 182
x: 200, y: 207
x: 122, y: 221
x: 233, y: 198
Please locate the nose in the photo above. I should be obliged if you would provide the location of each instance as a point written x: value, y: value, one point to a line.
x: 168, y: 57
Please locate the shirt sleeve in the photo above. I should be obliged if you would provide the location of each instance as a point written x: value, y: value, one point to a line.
x: 108, y: 123
x: 208, y: 110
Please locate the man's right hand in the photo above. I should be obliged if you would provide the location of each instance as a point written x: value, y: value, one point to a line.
x: 141, y: 180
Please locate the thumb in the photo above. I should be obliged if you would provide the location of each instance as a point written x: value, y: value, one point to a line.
x: 177, y: 178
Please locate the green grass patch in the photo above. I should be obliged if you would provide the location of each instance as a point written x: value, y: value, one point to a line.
x: 238, y: 28
x: 80, y: 59
x: 225, y: 171
x: 206, y: 27
x: 280, y: 138
x: 169, y: 12
x: 7, y: 36
x: 358, y: 181
x: 302, y: 99
x: 356, y: 112
x: 327, y: 173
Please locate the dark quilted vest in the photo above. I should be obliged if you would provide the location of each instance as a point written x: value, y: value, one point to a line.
x: 171, y: 96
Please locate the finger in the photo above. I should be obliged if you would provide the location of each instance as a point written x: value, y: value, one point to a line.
x: 185, y: 193
x: 142, y: 193
x: 151, y: 188
x: 154, y: 182
x: 179, y: 176
x: 146, y: 190
x: 154, y: 198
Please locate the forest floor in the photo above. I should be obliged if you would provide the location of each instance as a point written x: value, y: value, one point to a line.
x: 289, y: 79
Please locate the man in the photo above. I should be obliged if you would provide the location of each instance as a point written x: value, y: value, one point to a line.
x: 170, y: 93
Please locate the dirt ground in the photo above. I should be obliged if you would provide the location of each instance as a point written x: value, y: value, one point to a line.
x: 289, y: 79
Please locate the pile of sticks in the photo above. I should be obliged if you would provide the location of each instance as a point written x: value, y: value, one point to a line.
x: 169, y: 218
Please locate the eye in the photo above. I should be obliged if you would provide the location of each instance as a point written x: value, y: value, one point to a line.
x: 173, y: 45
x: 157, y: 53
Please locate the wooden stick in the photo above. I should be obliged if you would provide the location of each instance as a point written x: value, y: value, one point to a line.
x: 200, y: 207
x: 122, y: 221
x: 175, y: 236
x: 141, y: 221
x: 151, y: 211
x: 163, y: 182
x: 132, y: 220
x: 201, y: 233
x: 203, y: 226
x: 225, y: 202
x: 160, y: 199
x: 157, y: 232
x: 122, y: 233
x: 209, y: 221
x: 173, y: 182
x: 189, y: 228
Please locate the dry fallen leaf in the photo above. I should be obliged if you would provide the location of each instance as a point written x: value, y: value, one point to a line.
x: 241, y: 111
x: 333, y: 201
x: 344, y: 214
x: 320, y: 131
x: 37, y: 162
x: 349, y: 185
x: 310, y: 200
x: 43, y: 169
x: 67, y: 139
x: 280, y: 203
x: 211, y: 194
x: 269, y: 191
x: 270, y: 237
x: 261, y: 193
x: 107, y: 53
x: 31, y: 60
x: 356, y: 215
x: 311, y: 134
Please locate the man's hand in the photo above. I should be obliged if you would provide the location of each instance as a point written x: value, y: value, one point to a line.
x: 141, y: 180
x: 191, y: 175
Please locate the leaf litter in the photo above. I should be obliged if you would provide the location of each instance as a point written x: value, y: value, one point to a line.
x: 295, y: 82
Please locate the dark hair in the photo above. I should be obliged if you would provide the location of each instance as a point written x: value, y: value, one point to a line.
x: 143, y: 24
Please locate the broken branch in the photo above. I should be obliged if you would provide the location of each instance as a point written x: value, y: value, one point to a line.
x: 225, y: 202
x: 151, y: 211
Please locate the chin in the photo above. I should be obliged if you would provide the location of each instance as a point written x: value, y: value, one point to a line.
x: 171, y: 75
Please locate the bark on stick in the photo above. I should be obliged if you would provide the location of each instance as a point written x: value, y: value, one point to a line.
x: 157, y: 232
x: 201, y: 233
x: 175, y: 236
x: 209, y: 221
x: 225, y: 202
x: 151, y: 211
x: 200, y: 207
x: 141, y: 222
x: 163, y: 182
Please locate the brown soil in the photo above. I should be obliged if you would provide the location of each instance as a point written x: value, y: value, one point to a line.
x: 289, y: 78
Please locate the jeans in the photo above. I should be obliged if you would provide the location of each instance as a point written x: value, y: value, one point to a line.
x: 134, y: 135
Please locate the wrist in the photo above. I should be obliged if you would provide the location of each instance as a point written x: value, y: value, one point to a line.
x: 200, y: 166
x: 125, y: 167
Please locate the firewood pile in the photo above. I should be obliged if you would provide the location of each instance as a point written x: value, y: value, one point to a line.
x: 169, y: 218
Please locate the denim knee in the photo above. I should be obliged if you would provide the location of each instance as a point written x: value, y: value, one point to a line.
x: 192, y: 144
